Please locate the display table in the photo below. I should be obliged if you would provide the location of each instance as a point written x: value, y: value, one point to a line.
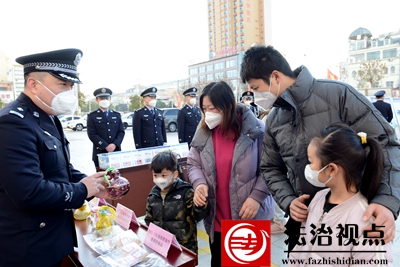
x: 141, y: 180
x: 85, y: 256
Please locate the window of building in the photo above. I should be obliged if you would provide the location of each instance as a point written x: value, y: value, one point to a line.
x: 376, y: 85
x: 389, y: 84
x: 360, y: 45
x: 210, y: 77
x: 392, y: 70
x: 387, y: 41
x: 389, y: 53
x: 219, y: 75
x: 385, y: 71
x: 358, y: 57
x: 373, y: 55
x: 242, y: 38
x: 202, y: 69
x: 242, y: 45
x: 231, y: 73
x: 193, y: 71
x: 202, y: 78
x: 231, y: 63
x: 241, y: 30
x: 354, y: 74
x: 352, y: 47
x: 219, y: 65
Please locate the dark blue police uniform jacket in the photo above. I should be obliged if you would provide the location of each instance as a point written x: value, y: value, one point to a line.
x: 385, y: 109
x: 38, y: 187
x: 103, y: 130
x: 148, y: 130
x: 188, y: 119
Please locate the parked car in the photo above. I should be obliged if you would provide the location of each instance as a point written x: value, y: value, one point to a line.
x: 65, y: 119
x: 127, y: 119
x: 170, y: 118
x: 78, y: 125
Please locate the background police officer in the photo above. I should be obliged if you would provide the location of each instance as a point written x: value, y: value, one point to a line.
x: 382, y: 106
x: 104, y: 126
x: 248, y: 100
x: 148, y: 122
x: 189, y: 117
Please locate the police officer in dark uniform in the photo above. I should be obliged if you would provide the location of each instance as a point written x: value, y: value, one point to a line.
x: 148, y: 122
x: 382, y: 106
x: 189, y: 117
x: 248, y: 99
x: 104, y: 126
x: 38, y: 185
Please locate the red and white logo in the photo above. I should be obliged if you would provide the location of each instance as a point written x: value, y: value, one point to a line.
x: 245, y: 243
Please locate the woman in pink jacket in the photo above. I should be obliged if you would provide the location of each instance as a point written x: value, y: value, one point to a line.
x: 223, y: 164
x: 333, y: 233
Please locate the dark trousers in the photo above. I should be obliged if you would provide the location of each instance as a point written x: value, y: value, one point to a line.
x: 215, y: 249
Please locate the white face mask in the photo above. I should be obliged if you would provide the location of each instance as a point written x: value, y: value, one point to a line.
x: 247, y: 103
x: 164, y: 183
x: 213, y: 119
x: 63, y: 103
x: 152, y: 103
x: 192, y: 101
x: 104, y: 103
x: 266, y: 99
x: 312, y: 176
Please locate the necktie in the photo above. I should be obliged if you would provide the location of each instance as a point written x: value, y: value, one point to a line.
x: 106, y: 113
x: 152, y: 111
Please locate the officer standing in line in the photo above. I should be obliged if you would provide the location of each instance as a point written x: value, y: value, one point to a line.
x: 39, y: 187
x: 148, y: 122
x: 248, y: 99
x: 104, y: 126
x: 189, y: 117
x: 382, y: 106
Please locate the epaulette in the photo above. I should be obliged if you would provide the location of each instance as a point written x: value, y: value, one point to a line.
x: 19, y: 111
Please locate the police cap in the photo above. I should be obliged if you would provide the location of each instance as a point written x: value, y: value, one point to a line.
x: 380, y: 93
x: 102, y: 92
x: 59, y: 63
x: 248, y: 94
x: 149, y: 92
x: 191, y: 91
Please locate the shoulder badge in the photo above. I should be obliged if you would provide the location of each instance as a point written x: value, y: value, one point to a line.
x: 19, y: 111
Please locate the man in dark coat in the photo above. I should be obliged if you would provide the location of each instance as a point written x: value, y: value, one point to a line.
x: 382, y: 106
x: 104, y: 126
x: 38, y: 185
x: 189, y: 117
x: 148, y: 122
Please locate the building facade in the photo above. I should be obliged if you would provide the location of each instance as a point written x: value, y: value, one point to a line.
x: 364, y: 47
x: 234, y: 25
x: 225, y: 68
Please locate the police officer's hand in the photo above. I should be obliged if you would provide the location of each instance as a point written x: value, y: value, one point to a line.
x: 298, y: 210
x: 200, y: 195
x: 111, y: 147
x: 383, y: 222
x: 94, y: 183
x: 249, y: 209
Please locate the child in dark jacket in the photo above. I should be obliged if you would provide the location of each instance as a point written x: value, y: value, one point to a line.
x: 170, y: 202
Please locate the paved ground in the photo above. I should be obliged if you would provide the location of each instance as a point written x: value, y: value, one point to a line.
x: 81, y: 154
